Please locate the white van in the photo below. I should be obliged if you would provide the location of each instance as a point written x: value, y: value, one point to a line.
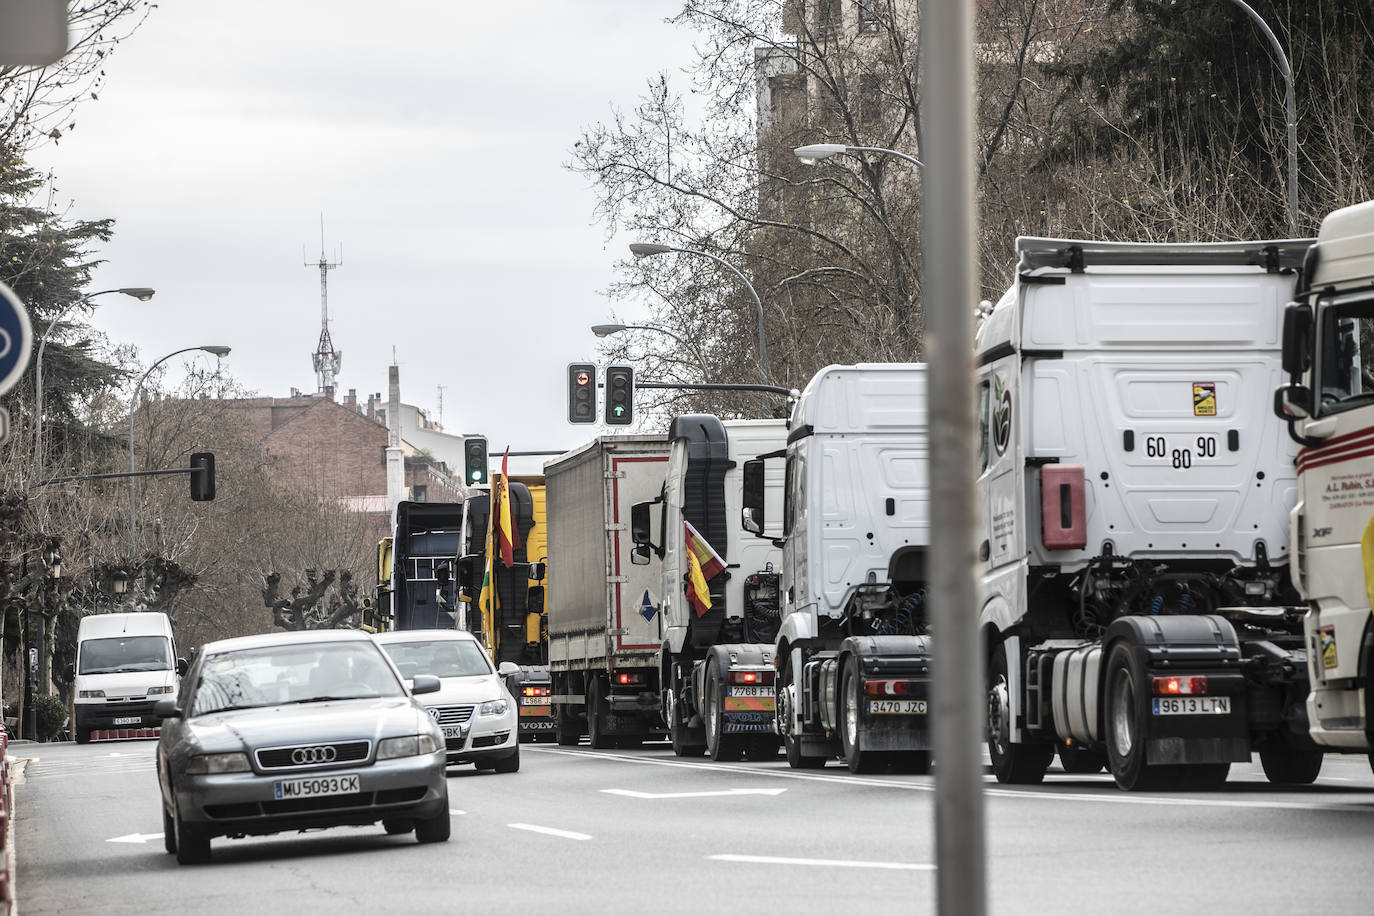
x: 124, y: 664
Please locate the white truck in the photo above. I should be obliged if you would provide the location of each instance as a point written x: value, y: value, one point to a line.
x: 604, y: 625
x: 1328, y: 351
x: 715, y: 666
x: 1136, y: 607
x: 853, y: 650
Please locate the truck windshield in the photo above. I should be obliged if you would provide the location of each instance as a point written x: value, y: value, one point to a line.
x: 125, y: 653
x: 439, y: 657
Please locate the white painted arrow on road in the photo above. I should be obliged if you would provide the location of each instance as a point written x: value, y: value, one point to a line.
x: 134, y: 838
x: 631, y: 793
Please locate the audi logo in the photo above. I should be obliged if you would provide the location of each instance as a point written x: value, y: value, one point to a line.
x: 302, y: 756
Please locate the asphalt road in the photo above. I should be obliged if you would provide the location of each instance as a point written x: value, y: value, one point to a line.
x: 581, y: 831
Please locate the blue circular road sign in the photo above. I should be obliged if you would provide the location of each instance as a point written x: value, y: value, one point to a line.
x: 16, y: 339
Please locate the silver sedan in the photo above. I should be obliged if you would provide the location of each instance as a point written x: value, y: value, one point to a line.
x: 294, y: 731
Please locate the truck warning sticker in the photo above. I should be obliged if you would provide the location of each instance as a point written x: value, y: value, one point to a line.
x: 1204, y: 399
x: 647, y: 608
x: 1328, y: 647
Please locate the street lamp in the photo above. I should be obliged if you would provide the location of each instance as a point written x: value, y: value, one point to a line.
x: 214, y: 350
x: 1292, y: 114
x: 606, y: 330
x: 141, y: 293
x: 810, y: 155
x: 645, y: 249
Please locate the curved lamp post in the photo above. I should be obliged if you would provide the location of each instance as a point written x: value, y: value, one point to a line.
x: 1291, y: 113
x: 810, y: 155
x: 606, y: 330
x: 212, y: 349
x: 141, y: 293
x: 645, y: 249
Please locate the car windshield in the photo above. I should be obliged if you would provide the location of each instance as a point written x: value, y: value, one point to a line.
x: 439, y: 657
x: 302, y: 673
x: 125, y: 653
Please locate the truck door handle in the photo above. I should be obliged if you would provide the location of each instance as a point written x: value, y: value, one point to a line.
x: 984, y: 551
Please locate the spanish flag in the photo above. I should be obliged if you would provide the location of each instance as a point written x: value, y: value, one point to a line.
x: 703, y: 564
x: 486, y: 599
x: 506, y: 532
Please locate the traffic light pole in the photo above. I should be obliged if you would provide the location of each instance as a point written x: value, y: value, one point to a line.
x: 770, y: 389
x: 121, y: 475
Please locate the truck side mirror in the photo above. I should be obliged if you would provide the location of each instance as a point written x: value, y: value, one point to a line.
x: 1297, y: 338
x: 538, y: 571
x: 639, y: 556
x: 467, y: 572
x: 1293, y: 402
x: 753, y: 517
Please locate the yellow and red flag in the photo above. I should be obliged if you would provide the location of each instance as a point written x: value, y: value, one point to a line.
x: 506, y: 532
x: 703, y: 563
x: 486, y: 599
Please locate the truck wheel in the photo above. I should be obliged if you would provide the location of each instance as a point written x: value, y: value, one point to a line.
x: 785, y: 697
x: 1126, y: 718
x: 677, y: 733
x: 722, y: 747
x: 762, y: 747
x: 851, y: 720
x: 1286, y: 765
x: 1081, y: 760
x: 596, y: 701
x: 1015, y: 764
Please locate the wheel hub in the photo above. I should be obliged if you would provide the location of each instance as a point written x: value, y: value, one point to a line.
x: 999, y: 716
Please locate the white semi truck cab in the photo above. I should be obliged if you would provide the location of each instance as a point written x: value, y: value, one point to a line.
x: 1328, y: 403
x: 852, y: 652
x: 1136, y: 605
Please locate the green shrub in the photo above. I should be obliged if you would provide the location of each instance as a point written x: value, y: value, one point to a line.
x: 49, y: 714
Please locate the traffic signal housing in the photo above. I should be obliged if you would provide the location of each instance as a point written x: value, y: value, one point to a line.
x: 475, y: 461
x: 581, y: 392
x: 202, y: 476
x: 620, y: 395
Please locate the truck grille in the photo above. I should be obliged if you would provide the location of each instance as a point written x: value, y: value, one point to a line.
x: 312, y: 756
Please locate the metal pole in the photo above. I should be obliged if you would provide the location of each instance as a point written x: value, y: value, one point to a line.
x: 1292, y: 114
x: 949, y: 281
x: 758, y: 303
x: 133, y: 492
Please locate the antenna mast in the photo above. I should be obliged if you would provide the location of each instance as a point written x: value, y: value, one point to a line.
x: 441, y: 406
x: 326, y: 359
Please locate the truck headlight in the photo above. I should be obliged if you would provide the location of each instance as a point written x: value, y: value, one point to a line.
x: 409, y: 746
x: 209, y: 764
x: 90, y: 694
x: 492, y: 708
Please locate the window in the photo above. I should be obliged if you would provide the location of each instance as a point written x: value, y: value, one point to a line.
x: 870, y: 16
x: 830, y: 16
x: 1347, y: 339
x: 984, y: 423
x: 419, y: 492
x: 440, y: 657
x: 870, y: 99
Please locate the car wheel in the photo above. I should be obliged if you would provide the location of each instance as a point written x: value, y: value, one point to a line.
x: 509, y: 764
x: 438, y: 828
x: 169, y: 832
x: 193, y: 844
x: 395, y: 826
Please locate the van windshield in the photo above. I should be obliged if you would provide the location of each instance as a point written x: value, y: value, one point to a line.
x: 125, y: 653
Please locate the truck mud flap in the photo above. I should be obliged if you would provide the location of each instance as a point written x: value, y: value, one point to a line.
x: 746, y: 707
x: 1208, y: 724
x: 895, y: 706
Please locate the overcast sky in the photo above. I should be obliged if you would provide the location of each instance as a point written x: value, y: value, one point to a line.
x: 433, y: 138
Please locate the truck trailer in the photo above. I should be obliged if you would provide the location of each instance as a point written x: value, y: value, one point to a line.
x: 1136, y: 605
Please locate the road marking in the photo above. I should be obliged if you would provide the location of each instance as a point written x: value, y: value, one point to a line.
x: 551, y: 831
x: 134, y: 838
x: 833, y: 863
x: 1111, y: 796
x: 631, y: 793
x: 456, y: 811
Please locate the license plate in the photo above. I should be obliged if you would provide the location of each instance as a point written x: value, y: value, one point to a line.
x: 898, y: 707
x: 454, y: 731
x: 535, y: 701
x: 128, y: 720
x: 1192, y: 706
x: 315, y: 786
x: 735, y: 691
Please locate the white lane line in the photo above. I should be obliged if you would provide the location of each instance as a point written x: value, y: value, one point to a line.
x: 134, y: 838
x: 551, y: 831
x: 1108, y: 797
x: 832, y: 863
x: 631, y: 793
x: 456, y: 811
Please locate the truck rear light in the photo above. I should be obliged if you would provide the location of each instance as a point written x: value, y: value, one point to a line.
x: 535, y: 691
x: 1180, y: 686
x: 889, y: 688
x: 750, y: 678
x: 627, y: 678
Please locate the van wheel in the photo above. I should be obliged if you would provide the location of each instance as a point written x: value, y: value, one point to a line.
x: 1015, y: 764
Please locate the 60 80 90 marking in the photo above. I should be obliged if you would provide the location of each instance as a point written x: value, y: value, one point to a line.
x: 1180, y: 451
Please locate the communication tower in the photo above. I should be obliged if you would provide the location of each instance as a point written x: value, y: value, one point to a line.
x: 327, y: 360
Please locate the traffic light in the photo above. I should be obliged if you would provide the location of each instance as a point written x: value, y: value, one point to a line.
x: 475, y: 460
x: 620, y: 395
x: 581, y: 393
x: 202, y: 476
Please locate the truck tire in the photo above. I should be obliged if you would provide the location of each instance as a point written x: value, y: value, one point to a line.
x: 850, y: 718
x: 722, y: 747
x: 1286, y: 765
x: 596, y: 701
x: 1081, y: 760
x: 1126, y: 715
x: 678, y: 732
x: 783, y: 692
x: 1012, y: 764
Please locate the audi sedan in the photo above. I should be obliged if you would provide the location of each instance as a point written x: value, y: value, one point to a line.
x: 477, y: 713
x: 293, y: 731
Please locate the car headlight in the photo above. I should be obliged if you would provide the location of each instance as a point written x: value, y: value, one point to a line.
x: 91, y: 694
x: 206, y: 764
x: 409, y: 746
x: 154, y: 691
x: 492, y: 708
